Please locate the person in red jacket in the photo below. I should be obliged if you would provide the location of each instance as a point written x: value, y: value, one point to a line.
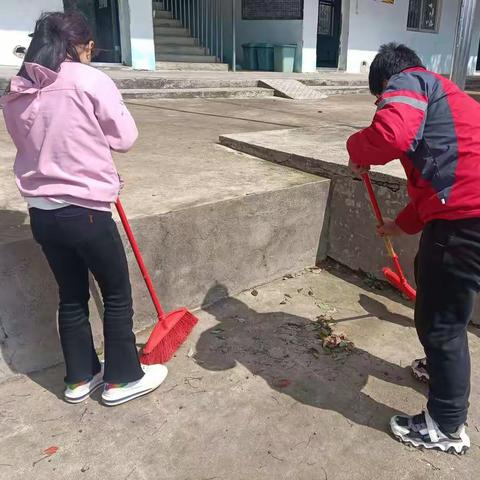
x: 433, y: 128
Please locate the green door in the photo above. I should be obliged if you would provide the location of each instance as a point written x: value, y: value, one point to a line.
x: 103, y: 18
x: 328, y: 32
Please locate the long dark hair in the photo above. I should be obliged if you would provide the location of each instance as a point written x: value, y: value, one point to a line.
x: 54, y: 40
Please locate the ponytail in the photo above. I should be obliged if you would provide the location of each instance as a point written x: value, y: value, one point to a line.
x: 55, y: 39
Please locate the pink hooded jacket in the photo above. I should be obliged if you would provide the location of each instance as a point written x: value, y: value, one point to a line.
x: 64, y: 126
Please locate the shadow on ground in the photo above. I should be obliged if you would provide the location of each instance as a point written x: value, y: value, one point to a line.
x: 285, y: 350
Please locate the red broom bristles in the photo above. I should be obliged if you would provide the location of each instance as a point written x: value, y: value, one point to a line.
x: 166, y: 348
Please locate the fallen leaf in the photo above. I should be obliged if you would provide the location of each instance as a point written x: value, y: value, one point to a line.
x: 314, y: 352
x: 282, y: 383
x: 299, y: 290
x: 50, y: 451
x: 310, y: 293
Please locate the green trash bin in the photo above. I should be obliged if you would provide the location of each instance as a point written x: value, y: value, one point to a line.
x: 265, y: 56
x: 284, y: 56
x: 250, y: 59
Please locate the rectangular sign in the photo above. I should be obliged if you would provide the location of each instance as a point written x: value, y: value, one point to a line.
x: 272, y: 9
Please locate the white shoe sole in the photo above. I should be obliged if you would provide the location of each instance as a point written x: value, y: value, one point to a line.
x: 115, y: 403
x: 74, y: 401
x: 133, y: 396
x: 455, y: 448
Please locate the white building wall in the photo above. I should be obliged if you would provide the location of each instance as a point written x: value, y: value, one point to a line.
x: 142, y: 40
x: 309, y: 36
x: 17, y: 21
x: 372, y: 23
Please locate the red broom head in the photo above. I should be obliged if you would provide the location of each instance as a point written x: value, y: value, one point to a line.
x: 167, y: 336
x: 400, y: 284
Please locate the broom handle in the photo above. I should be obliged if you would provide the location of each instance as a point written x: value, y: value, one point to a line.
x: 378, y: 214
x: 138, y: 256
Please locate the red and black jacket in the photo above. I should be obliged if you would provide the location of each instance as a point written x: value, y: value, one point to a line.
x: 433, y: 127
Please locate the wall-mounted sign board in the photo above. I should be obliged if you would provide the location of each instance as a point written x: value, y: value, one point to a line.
x: 272, y: 9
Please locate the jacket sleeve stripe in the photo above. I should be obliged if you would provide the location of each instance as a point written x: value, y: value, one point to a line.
x: 419, y: 104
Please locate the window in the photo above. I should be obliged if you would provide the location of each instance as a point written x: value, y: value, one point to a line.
x: 325, y: 18
x: 424, y: 15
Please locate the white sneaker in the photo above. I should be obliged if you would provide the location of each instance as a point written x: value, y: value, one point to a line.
x: 79, y: 392
x: 116, y: 394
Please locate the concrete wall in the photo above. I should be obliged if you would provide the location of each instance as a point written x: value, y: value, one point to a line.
x: 240, y: 243
x: 373, y: 23
x: 349, y: 229
x: 17, y: 20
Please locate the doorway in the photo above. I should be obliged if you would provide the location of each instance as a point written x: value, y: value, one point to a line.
x: 328, y: 33
x: 478, y: 59
x: 103, y: 18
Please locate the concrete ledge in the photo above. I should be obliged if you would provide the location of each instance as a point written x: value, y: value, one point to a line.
x: 240, y: 243
x: 351, y: 233
x: 224, y: 92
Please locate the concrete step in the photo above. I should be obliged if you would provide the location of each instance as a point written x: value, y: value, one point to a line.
x: 342, y: 90
x: 170, y: 65
x: 171, y: 49
x: 161, y: 14
x: 179, y: 83
x: 174, y: 40
x: 345, y: 80
x: 254, y: 92
x: 166, y: 23
x: 474, y: 94
x: 168, y: 31
x: 172, y: 57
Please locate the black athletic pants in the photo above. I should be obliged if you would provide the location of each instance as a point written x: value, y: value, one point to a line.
x: 448, y: 279
x: 77, y: 240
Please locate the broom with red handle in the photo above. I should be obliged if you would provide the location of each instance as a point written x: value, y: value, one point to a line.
x: 173, y: 328
x: 398, y: 279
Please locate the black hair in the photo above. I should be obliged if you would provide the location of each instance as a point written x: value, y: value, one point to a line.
x: 391, y: 59
x: 54, y: 40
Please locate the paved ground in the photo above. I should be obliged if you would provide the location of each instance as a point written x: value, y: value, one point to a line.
x: 178, y: 142
x: 252, y: 395
x: 179, y: 145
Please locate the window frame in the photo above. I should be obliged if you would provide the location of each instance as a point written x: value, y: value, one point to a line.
x: 437, y: 19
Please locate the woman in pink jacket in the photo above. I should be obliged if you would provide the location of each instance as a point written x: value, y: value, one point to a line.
x: 65, y: 118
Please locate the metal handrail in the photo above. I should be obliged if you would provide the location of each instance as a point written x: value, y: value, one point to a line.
x: 204, y: 19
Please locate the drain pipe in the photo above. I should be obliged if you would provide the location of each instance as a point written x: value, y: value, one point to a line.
x: 234, y: 36
x: 463, y: 40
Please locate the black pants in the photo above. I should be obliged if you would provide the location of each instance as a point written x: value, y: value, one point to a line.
x: 75, y: 241
x: 448, y: 279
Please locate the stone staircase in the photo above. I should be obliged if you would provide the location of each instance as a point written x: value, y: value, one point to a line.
x: 176, y: 49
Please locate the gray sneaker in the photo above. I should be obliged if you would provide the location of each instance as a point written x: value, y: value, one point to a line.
x: 421, y: 431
